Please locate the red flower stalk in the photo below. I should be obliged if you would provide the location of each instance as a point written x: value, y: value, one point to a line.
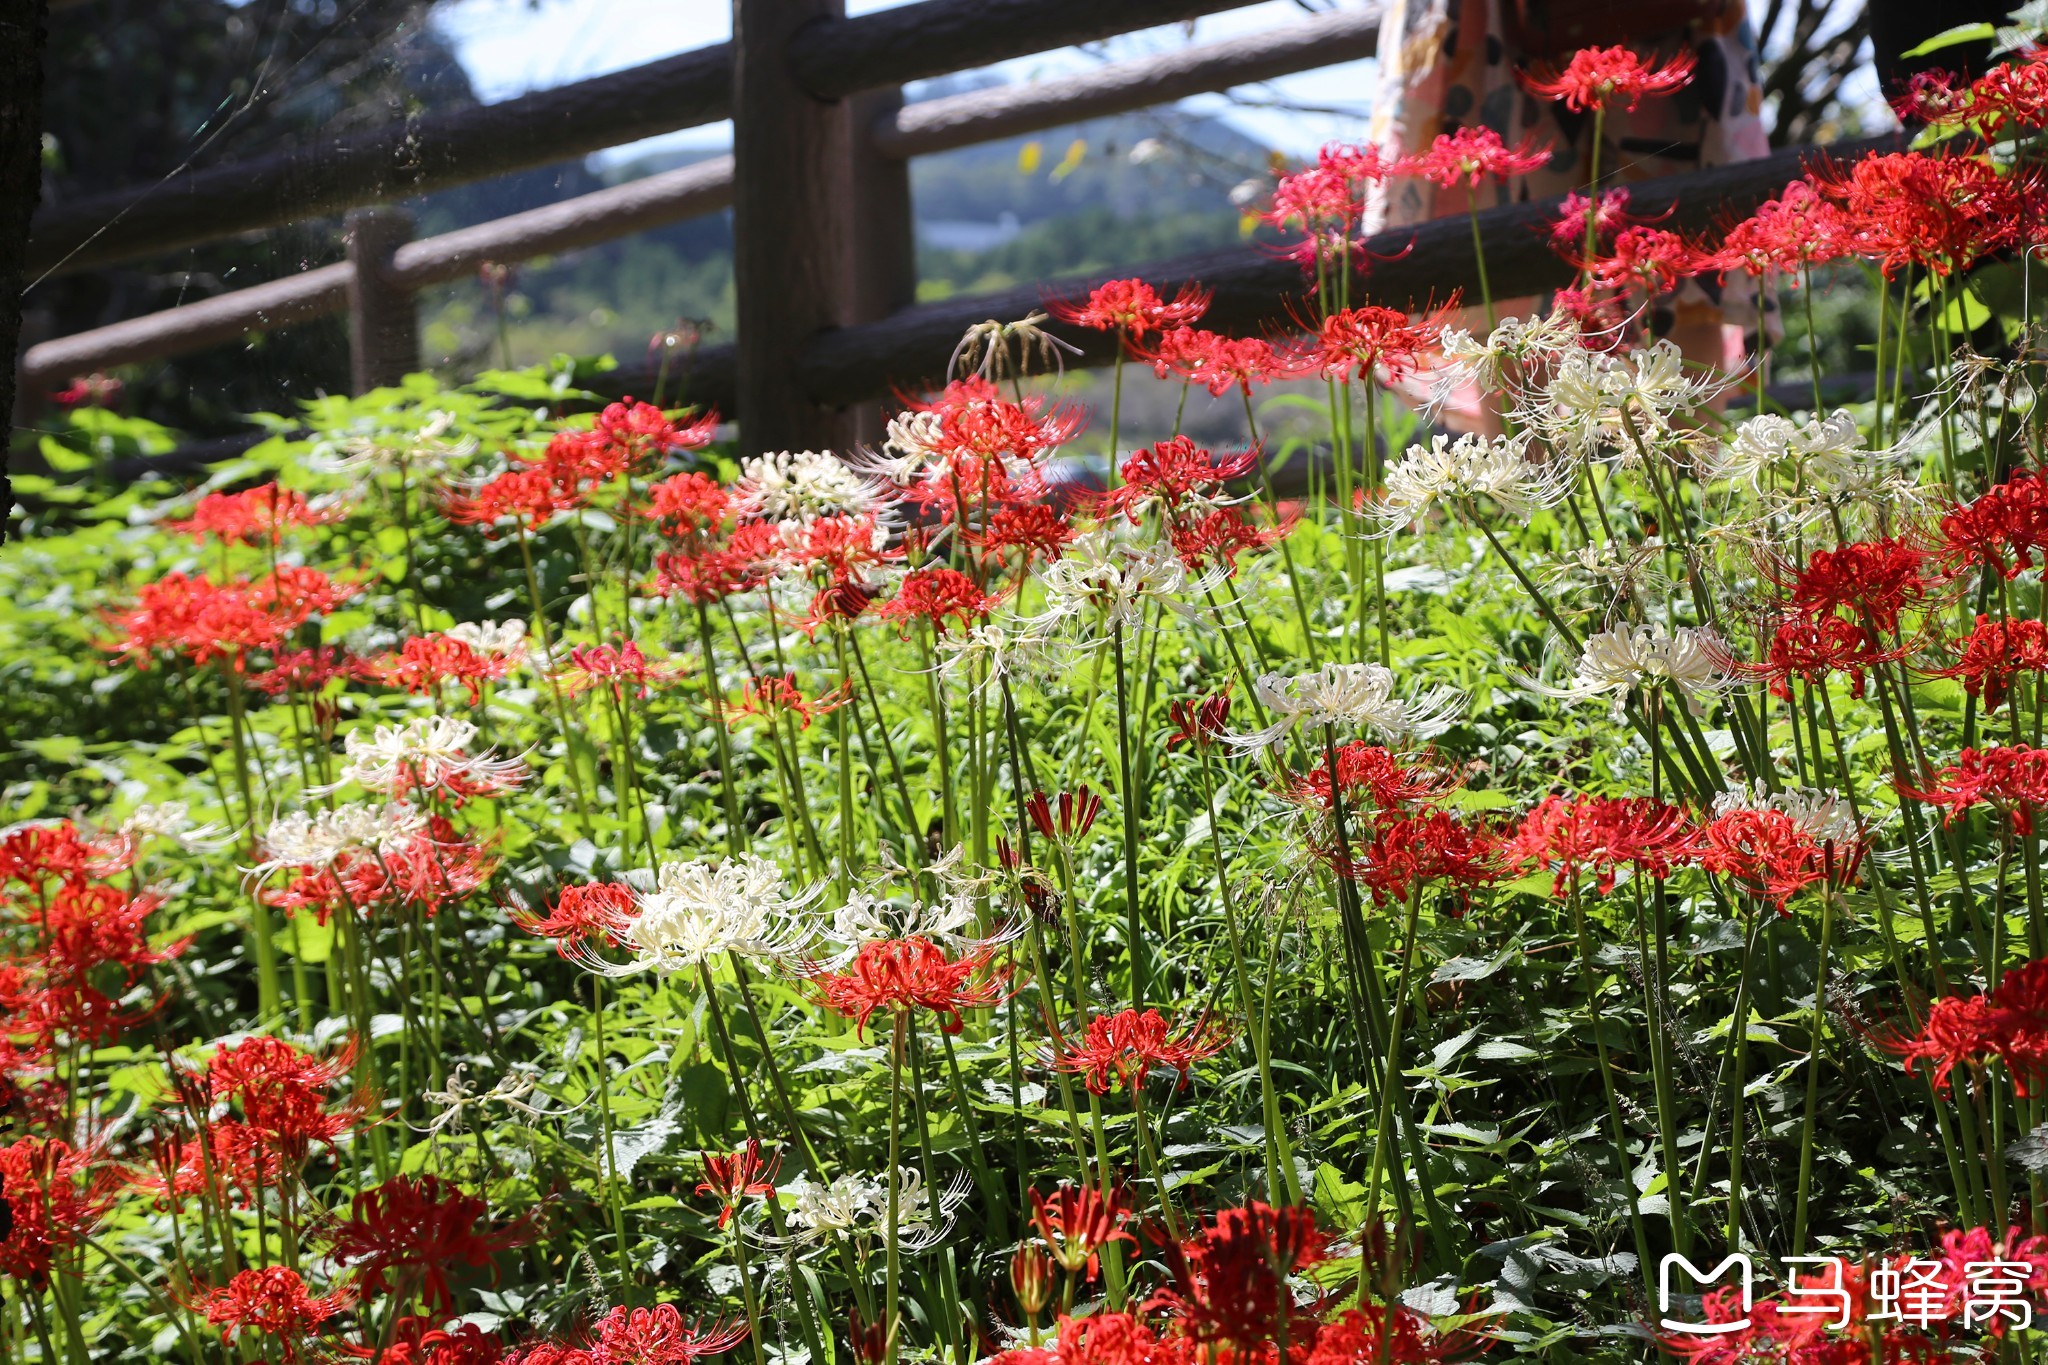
x: 1610, y: 215
x: 1220, y: 363
x: 2010, y: 1025
x: 262, y: 513
x: 1771, y: 855
x: 1371, y: 777
x: 412, y: 1231
x: 1368, y: 340
x: 1037, y: 531
x: 1940, y: 212
x: 274, y: 1301
x: 688, y: 506
x: 1400, y: 852
x: 1646, y: 258
x: 1994, y: 655
x: 659, y: 1336
x: 1812, y: 647
x: 2012, y: 780
x: 1077, y: 810
x: 1472, y: 154
x: 1199, y: 721
x: 1124, y: 1047
x: 1228, y: 1282
x: 769, y: 697
x: 937, y: 595
x: 902, y: 975
x: 527, y: 493
x: 1077, y: 1223
x: 1877, y: 578
x: 283, y: 1093
x: 731, y: 1177
x: 1797, y: 230
x: 1608, y: 77
x: 1603, y: 835
x: 1132, y: 308
x: 599, y: 912
x: 620, y: 667
x: 2002, y: 530
x: 424, y: 662
x: 57, y: 1194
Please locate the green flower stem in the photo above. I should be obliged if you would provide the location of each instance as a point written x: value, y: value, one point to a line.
x: 1617, y: 1133
x: 714, y: 700
x: 613, y: 1186
x: 1133, y: 816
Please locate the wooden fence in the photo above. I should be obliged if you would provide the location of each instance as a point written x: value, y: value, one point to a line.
x: 818, y: 184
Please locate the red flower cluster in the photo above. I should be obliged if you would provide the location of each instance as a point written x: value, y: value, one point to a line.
x: 1993, y: 655
x: 1472, y: 154
x: 1369, y: 777
x: 2011, y: 93
x: 627, y: 437
x: 262, y: 513
x: 1076, y: 1223
x: 937, y: 596
x: 276, y: 1302
x: 1227, y: 1283
x: 1799, y: 229
x: 1400, y: 852
x: 1772, y: 856
x: 409, y: 1233
x: 1127, y: 1045
x: 58, y: 1195
x: 899, y: 976
x: 1371, y: 341
x: 1132, y: 308
x: 1608, y: 77
x: 1939, y: 212
x: 2002, y: 530
x: 731, y: 1177
x: 2010, y: 779
x: 1602, y: 835
x: 1220, y: 363
x: 436, y: 867
x: 2009, y: 1025
x: 599, y: 912
x: 202, y: 620
x: 424, y: 662
x: 282, y: 1094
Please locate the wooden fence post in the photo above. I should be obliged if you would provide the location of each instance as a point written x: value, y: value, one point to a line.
x: 383, y: 319
x: 881, y: 243
x: 790, y: 207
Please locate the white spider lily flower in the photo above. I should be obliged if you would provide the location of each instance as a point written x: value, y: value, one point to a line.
x: 1822, y: 454
x: 172, y: 820
x: 500, y: 639
x: 1348, y: 695
x: 697, y: 911
x: 428, y: 753
x: 910, y: 448
x: 1473, y: 466
x: 799, y: 486
x: 857, y: 1207
x: 426, y: 448
x: 1109, y: 576
x: 1691, y: 659
x: 1821, y: 813
x: 950, y: 922
x: 1515, y: 353
x: 1009, y: 649
x: 319, y: 838
x: 1594, y: 399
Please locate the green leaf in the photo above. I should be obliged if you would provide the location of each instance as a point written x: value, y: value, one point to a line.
x: 1979, y: 32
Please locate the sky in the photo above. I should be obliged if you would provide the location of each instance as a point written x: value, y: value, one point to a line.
x: 512, y: 46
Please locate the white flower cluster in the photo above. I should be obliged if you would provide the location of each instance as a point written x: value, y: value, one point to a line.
x: 499, y: 639
x: 799, y: 486
x: 1822, y: 814
x: 1109, y: 577
x: 318, y: 838
x: 698, y: 910
x: 425, y: 753
x: 1692, y: 660
x: 1599, y: 402
x: 857, y: 1206
x: 1816, y: 455
x: 1351, y: 696
x: 1472, y: 466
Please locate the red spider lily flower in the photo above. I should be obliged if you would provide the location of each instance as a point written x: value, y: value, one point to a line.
x: 418, y: 1341
x: 1365, y: 163
x: 1219, y: 536
x: 553, y: 1353
x: 598, y: 912
x: 2011, y: 779
x: 1227, y: 1284
x: 2009, y: 1024
x: 1125, y: 1046
x: 1039, y: 532
x: 842, y: 548
x: 978, y: 424
x: 1369, y: 340
x: 283, y: 1093
x: 1994, y: 654
x: 58, y: 1195
x: 1320, y: 201
x: 304, y: 670
x: 688, y: 505
x: 1370, y: 776
x: 34, y: 854
x: 262, y: 513
x: 1077, y: 810
x: 89, y: 391
x: 1220, y: 363
x: 1812, y: 647
x: 2012, y: 92
x: 1599, y: 313
x: 433, y: 869
x: 1799, y: 229
x: 1472, y: 154
x: 1941, y: 213
x: 1609, y: 214
x: 700, y: 579
x: 1772, y: 856
x: 732, y: 1176
x: 1390, y: 1334
x: 770, y: 696
x: 843, y: 602
x: 2002, y: 530
x: 89, y: 927
x: 1401, y: 852
x: 1607, y: 78
x: 1031, y: 1272
x: 902, y: 975
x: 1199, y: 721
x: 411, y: 1231
x: 1877, y: 578
x: 659, y: 1336
x: 525, y: 493
x: 644, y: 433
x: 1647, y: 258
x: 936, y: 596
x: 424, y: 662
x: 203, y: 620
x: 620, y: 667
x: 1603, y: 835
x: 275, y: 1301
x: 1935, y: 97
x: 1171, y: 472
x: 1132, y: 308
x: 1077, y: 1223
x: 868, y: 1340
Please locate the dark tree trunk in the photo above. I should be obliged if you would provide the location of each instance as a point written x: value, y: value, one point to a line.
x: 24, y: 30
